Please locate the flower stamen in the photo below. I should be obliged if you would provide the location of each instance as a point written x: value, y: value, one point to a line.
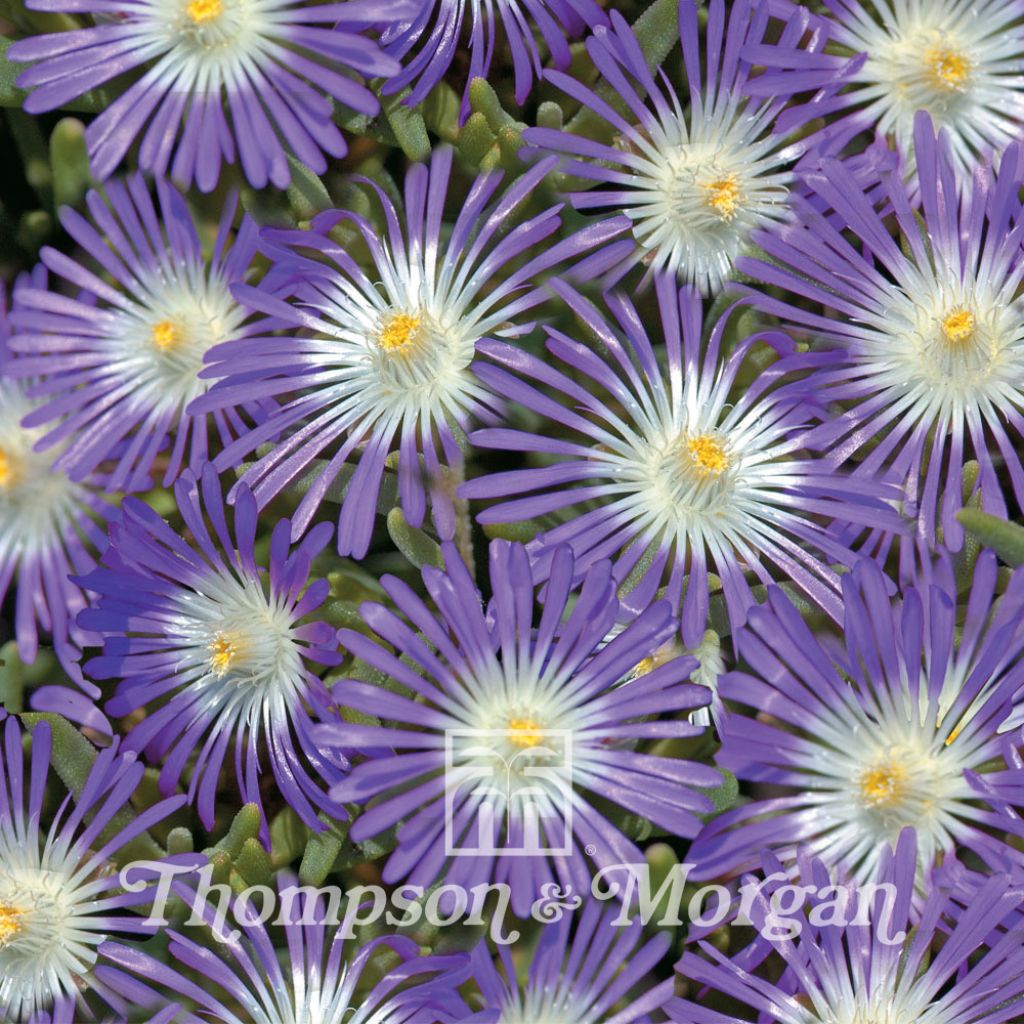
x: 202, y: 11
x: 525, y: 732
x: 399, y: 334
x: 10, y: 924
x: 223, y: 651
x: 948, y: 70
x: 724, y: 196
x: 958, y: 326
x: 883, y: 785
x: 707, y: 455
x: 9, y: 470
x: 165, y: 335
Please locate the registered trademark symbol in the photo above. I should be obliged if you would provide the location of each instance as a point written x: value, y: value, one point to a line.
x: 591, y: 849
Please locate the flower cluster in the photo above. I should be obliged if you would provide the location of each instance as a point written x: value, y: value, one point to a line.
x: 480, y: 479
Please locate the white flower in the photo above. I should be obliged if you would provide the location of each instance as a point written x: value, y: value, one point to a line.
x: 959, y: 60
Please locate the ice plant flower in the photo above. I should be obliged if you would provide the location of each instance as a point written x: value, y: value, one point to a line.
x: 50, y: 525
x: 213, y: 646
x: 585, y: 969
x: 243, y: 980
x: 906, y: 724
x: 216, y: 80
x: 529, y: 702
x: 119, y: 361
x: 666, y: 466
x: 387, y: 359
x: 697, y: 174
x: 931, y: 330
x: 889, y: 60
x: 59, y: 899
x: 882, y: 965
x: 427, y: 41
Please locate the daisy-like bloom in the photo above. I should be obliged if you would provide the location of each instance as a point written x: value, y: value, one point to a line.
x: 594, y: 973
x: 215, y: 648
x: 667, y: 466
x: 696, y: 178
x: 120, y: 361
x: 516, y: 719
x: 215, y: 79
x: 386, y: 358
x: 888, y: 60
x: 434, y: 33
x: 59, y: 897
x: 852, y: 970
x: 904, y: 724
x: 929, y: 326
x: 49, y: 524
x: 322, y: 979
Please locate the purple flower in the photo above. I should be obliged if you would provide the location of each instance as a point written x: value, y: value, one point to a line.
x: 696, y: 175
x: 58, y: 898
x: 214, y: 76
x: 889, y: 60
x: 119, y: 362
x: 577, y: 974
x: 49, y: 524
x: 870, y: 966
x: 386, y: 359
x: 433, y: 35
x: 242, y: 980
x: 216, y: 648
x: 518, y: 718
x: 667, y: 465
x: 910, y: 722
x: 929, y: 329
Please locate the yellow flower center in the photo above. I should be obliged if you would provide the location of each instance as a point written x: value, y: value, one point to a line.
x: 947, y: 69
x: 645, y: 666
x: 958, y: 327
x: 399, y: 334
x: 202, y: 11
x: 223, y: 652
x: 708, y: 455
x: 9, y: 470
x: 525, y: 732
x: 165, y: 335
x: 10, y: 924
x: 883, y: 786
x: 724, y: 196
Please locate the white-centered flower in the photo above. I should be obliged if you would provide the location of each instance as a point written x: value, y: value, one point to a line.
x: 959, y: 60
x: 40, y: 508
x: 701, y: 183
x: 48, y: 931
x: 156, y: 339
x: 238, y: 651
x: 947, y: 345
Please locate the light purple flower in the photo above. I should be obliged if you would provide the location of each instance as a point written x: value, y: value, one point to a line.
x: 695, y: 174
x: 216, y: 647
x: 665, y: 464
x: 118, y: 362
x: 929, y: 326
x: 913, y: 721
x: 50, y: 526
x: 887, y: 61
x: 216, y: 80
x: 58, y: 898
x: 885, y: 964
x: 499, y: 685
x: 427, y: 42
x: 582, y: 967
x: 385, y: 361
x: 322, y: 979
